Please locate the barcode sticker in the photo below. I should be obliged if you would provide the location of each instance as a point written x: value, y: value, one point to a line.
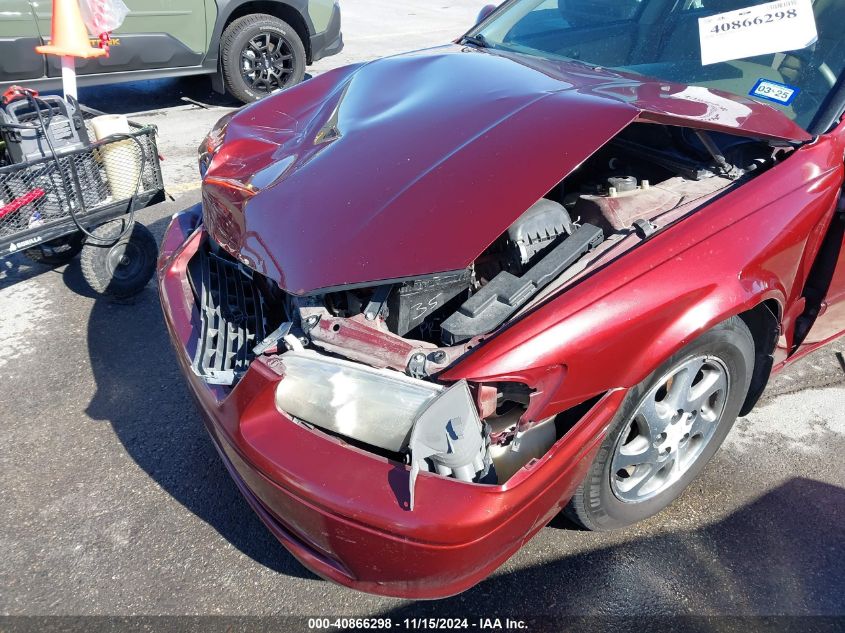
x: 774, y: 27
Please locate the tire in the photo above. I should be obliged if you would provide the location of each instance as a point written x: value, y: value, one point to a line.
x: 56, y: 252
x: 667, y: 430
x: 274, y: 49
x: 121, y: 268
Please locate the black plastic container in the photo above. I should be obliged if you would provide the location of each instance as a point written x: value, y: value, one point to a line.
x: 62, y: 121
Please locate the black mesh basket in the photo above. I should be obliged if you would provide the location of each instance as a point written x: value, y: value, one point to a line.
x: 95, y: 182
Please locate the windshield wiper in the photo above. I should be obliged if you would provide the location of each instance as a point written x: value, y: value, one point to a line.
x: 477, y: 40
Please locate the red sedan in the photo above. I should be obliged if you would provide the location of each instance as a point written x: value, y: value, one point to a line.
x: 429, y: 302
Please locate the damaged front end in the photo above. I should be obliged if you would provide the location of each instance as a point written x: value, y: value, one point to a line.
x: 333, y: 453
x: 362, y: 296
x: 350, y: 375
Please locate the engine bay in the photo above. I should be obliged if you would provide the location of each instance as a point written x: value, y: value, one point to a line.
x: 644, y: 173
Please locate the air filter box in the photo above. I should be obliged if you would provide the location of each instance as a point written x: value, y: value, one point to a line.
x: 412, y: 302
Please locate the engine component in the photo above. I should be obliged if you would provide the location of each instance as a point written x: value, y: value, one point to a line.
x: 377, y: 303
x: 449, y: 434
x: 668, y: 158
x: 537, y: 228
x: 375, y: 406
x: 414, y: 301
x: 622, y: 184
x: 491, y: 306
x: 614, y: 213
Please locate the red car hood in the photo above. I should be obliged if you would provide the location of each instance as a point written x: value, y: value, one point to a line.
x: 414, y: 164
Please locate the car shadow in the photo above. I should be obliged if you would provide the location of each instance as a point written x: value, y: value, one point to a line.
x: 780, y: 554
x: 157, y: 94
x: 141, y: 393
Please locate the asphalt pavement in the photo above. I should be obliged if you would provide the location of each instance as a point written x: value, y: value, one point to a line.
x: 114, y: 501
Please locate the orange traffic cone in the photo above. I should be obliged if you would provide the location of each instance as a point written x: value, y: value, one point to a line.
x: 69, y: 37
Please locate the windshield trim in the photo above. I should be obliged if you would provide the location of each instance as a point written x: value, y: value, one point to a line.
x: 831, y: 111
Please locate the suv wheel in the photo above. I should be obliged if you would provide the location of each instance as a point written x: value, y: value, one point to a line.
x: 667, y: 429
x: 260, y: 54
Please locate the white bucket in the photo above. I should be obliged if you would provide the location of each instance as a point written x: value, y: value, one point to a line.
x: 120, y: 158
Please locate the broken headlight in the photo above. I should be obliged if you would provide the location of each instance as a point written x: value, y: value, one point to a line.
x: 438, y: 427
x: 377, y: 407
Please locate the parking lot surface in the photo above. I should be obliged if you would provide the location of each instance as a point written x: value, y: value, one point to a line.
x: 114, y: 501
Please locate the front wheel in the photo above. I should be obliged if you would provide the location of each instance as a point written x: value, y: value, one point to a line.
x: 260, y: 54
x: 668, y: 428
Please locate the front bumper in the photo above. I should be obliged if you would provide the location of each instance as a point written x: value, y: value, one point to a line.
x: 343, y: 512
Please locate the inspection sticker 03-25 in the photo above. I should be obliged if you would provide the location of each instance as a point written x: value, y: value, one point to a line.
x: 774, y: 91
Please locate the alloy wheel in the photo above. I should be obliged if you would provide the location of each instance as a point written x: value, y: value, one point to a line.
x: 267, y: 62
x: 669, y: 429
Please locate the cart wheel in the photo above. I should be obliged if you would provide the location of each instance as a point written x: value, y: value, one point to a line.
x: 123, y: 268
x: 56, y: 252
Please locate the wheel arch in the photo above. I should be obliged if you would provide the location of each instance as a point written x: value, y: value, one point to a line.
x: 762, y: 315
x: 294, y: 12
x: 764, y: 321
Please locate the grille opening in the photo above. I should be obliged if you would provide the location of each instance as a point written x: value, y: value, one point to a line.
x: 233, y: 315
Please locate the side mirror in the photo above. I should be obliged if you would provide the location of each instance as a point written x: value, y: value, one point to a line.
x: 485, y: 11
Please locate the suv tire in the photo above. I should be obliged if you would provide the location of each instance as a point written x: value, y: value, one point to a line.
x: 260, y: 54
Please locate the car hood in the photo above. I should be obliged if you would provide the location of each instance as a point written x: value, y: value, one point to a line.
x: 414, y: 164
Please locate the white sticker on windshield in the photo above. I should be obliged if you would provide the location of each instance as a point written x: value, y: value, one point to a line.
x: 774, y: 27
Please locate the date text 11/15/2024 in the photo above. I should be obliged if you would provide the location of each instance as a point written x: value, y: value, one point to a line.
x: 418, y: 624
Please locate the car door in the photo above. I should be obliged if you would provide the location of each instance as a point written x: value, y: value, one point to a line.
x: 824, y: 315
x: 155, y: 34
x: 18, y: 38
x: 827, y: 279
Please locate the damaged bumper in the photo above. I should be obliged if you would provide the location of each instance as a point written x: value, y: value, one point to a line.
x: 345, y: 512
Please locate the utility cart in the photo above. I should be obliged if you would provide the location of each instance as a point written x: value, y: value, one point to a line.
x: 62, y: 193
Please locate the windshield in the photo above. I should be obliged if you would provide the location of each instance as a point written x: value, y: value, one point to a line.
x: 788, y: 54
